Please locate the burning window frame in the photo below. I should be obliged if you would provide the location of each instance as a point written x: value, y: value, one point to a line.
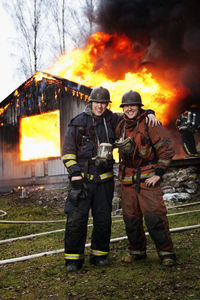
x: 39, y: 134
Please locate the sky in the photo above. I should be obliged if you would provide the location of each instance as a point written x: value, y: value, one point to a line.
x: 9, y: 80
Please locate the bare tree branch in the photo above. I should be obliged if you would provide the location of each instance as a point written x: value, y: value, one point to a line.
x: 30, y: 19
x: 48, y: 28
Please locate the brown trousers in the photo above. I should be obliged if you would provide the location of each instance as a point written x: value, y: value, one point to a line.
x: 147, y: 203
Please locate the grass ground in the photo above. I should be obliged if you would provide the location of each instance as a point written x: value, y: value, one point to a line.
x: 46, y: 278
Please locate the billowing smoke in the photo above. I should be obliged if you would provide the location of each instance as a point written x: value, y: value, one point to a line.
x: 168, y: 31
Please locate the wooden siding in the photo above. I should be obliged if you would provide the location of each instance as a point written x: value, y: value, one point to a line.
x: 35, y: 98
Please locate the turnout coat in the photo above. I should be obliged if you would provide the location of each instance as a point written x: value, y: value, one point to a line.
x: 81, y: 141
x: 151, y: 152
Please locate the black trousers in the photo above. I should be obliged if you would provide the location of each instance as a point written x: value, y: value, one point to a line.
x: 188, y: 142
x: 99, y: 199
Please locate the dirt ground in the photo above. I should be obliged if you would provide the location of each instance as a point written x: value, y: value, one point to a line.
x: 49, y: 196
x: 52, y: 197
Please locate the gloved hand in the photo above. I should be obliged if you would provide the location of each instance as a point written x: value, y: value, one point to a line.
x: 77, y: 191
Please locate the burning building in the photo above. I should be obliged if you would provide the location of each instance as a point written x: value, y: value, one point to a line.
x: 148, y: 46
x: 142, y: 45
x: 33, y: 120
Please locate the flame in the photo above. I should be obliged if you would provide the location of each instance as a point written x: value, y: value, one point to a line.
x: 39, y: 76
x: 113, y: 61
x: 2, y: 109
x: 40, y: 136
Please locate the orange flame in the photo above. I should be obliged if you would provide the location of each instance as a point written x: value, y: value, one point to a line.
x: 113, y: 61
x: 39, y: 76
x: 40, y: 136
x: 2, y: 109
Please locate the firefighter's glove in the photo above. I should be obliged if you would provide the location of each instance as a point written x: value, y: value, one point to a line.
x: 77, y: 192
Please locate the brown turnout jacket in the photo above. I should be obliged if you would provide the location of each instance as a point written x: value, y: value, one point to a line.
x: 152, y: 150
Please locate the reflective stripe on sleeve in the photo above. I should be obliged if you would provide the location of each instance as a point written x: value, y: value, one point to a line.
x: 182, y: 127
x: 70, y: 163
x: 158, y: 145
x: 164, y: 161
x: 69, y: 156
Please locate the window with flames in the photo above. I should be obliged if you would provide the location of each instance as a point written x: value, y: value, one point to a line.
x: 40, y: 136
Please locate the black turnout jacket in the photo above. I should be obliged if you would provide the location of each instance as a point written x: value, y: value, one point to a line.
x: 82, y: 137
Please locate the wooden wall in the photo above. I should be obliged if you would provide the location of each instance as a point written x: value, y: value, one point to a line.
x: 14, y: 172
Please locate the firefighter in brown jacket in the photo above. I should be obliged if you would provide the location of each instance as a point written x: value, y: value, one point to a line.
x: 145, y: 153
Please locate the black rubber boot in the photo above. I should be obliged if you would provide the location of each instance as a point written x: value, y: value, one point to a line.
x: 99, y: 260
x: 73, y: 266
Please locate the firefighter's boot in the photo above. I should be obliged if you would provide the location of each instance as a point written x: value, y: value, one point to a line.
x: 168, y: 260
x: 134, y: 256
x: 73, y: 265
x: 99, y: 260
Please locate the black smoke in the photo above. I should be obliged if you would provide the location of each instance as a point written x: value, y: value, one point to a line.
x: 168, y: 30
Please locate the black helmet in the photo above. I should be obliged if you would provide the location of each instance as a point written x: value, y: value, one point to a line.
x: 100, y: 94
x: 131, y: 98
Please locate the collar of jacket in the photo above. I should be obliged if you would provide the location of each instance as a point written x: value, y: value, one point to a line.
x: 131, y: 123
x: 107, y: 114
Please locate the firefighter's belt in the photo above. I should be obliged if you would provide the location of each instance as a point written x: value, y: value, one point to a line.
x: 137, y: 180
x: 138, y: 173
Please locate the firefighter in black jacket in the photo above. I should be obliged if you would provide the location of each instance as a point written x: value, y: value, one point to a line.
x: 188, y: 124
x: 87, y: 154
